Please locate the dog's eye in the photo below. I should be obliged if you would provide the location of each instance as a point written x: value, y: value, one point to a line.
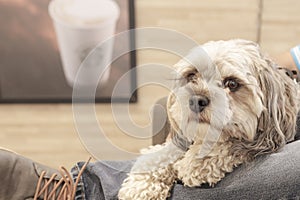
x: 191, y: 76
x: 232, y: 84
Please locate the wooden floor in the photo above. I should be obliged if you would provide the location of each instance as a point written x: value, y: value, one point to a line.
x: 47, y: 132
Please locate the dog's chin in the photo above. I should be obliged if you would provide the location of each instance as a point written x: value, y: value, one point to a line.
x: 196, y: 127
x: 195, y: 131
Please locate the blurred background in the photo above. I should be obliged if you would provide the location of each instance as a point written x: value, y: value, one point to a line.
x: 46, y: 132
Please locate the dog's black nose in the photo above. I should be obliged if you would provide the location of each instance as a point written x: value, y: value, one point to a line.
x: 198, y: 103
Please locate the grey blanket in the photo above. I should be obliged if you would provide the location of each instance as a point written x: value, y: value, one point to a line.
x: 275, y: 176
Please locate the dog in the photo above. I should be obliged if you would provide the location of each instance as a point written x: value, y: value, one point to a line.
x: 230, y: 103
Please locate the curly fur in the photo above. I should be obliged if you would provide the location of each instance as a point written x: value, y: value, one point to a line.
x: 237, y: 126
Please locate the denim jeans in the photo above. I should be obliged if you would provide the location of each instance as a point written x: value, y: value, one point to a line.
x: 274, y: 176
x: 101, y: 180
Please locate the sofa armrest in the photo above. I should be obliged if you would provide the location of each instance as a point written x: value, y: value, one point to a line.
x: 160, y: 131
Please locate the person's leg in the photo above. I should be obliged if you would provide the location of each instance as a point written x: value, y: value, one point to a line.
x: 102, y: 180
x: 23, y: 179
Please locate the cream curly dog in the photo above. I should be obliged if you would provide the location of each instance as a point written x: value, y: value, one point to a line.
x: 230, y: 103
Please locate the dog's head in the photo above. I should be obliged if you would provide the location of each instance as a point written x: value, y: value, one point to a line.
x: 230, y: 88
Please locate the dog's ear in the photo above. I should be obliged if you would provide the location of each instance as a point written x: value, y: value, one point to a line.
x: 277, y: 123
x: 173, y: 126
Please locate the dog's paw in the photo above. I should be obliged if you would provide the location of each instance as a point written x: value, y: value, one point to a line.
x: 196, y: 172
x: 191, y: 178
x: 190, y: 175
x: 146, y: 186
x: 143, y: 187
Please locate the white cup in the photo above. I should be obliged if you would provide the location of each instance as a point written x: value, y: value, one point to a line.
x: 80, y: 26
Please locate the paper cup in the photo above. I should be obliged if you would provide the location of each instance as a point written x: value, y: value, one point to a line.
x: 80, y: 26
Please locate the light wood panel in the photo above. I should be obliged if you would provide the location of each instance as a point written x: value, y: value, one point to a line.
x: 280, y: 25
x: 200, y: 19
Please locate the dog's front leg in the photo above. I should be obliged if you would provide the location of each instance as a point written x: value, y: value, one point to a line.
x: 195, y: 170
x: 152, y: 175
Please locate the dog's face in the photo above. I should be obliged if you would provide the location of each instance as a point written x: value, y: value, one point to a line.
x: 228, y: 89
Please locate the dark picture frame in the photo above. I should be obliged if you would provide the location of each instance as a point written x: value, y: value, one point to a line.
x: 30, y: 65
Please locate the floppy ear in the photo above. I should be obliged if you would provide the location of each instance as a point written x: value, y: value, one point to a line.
x: 277, y: 123
x: 174, y: 128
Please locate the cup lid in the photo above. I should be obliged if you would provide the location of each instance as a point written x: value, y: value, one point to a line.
x: 84, y: 12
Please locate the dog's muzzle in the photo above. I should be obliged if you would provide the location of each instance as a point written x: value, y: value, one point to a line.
x: 198, y: 103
